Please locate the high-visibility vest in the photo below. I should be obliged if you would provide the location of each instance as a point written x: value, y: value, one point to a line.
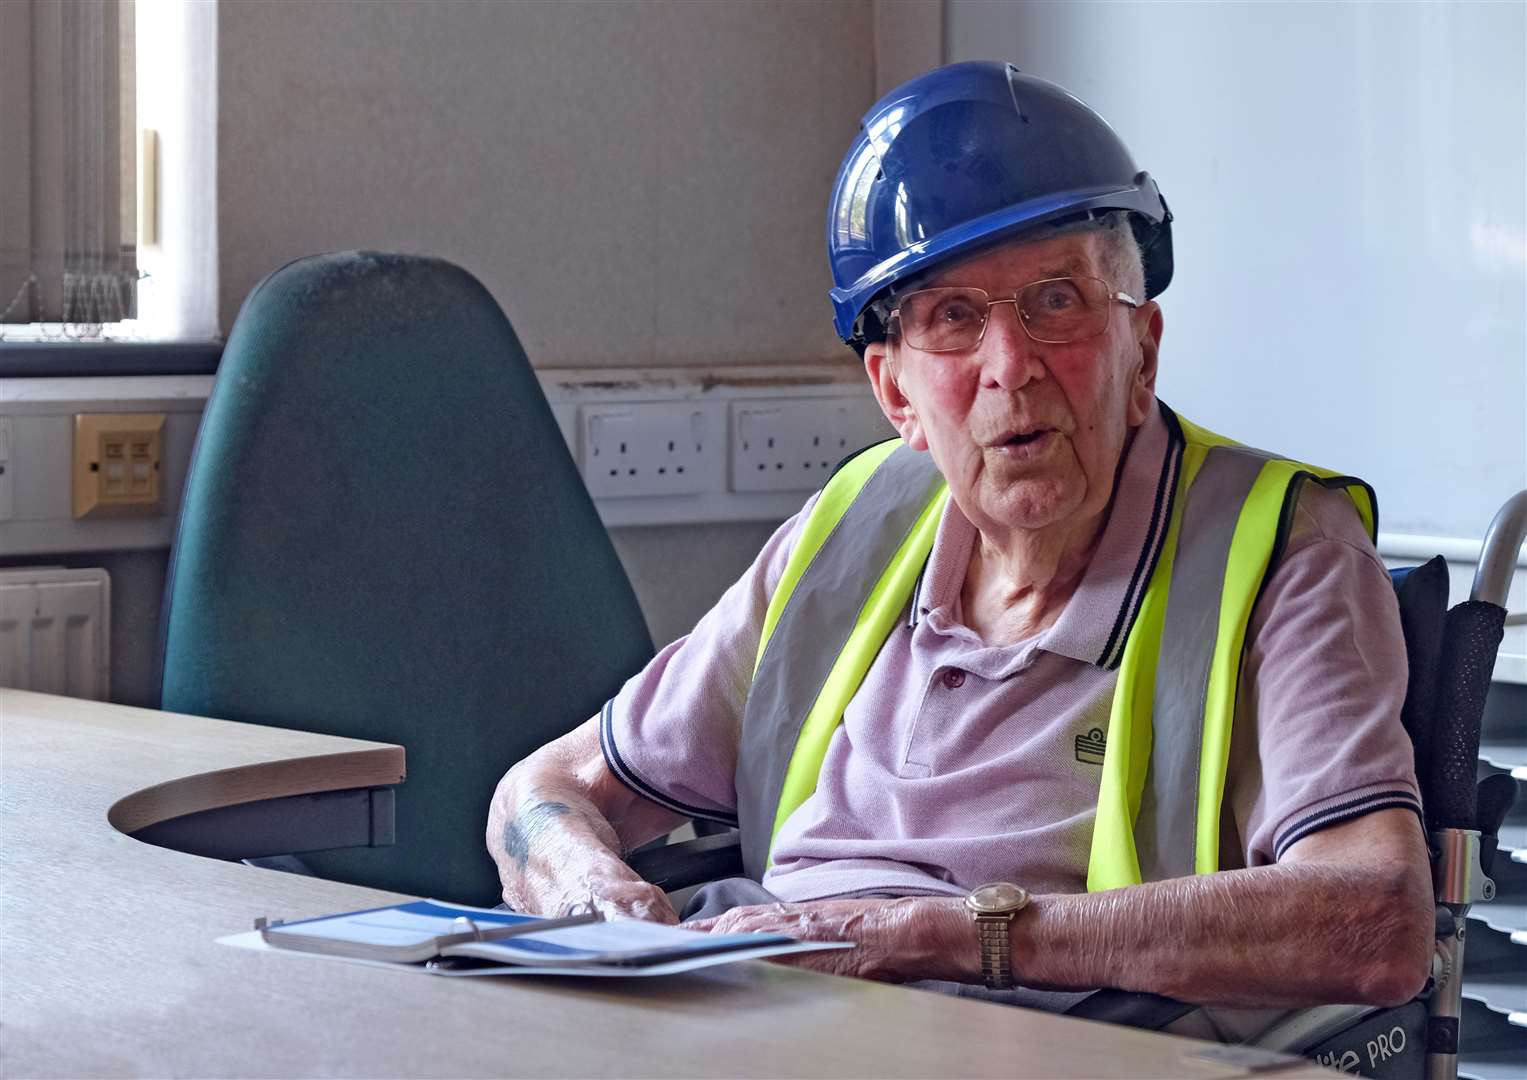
x: 853, y: 570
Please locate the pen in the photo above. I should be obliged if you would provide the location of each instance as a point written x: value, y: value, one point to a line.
x: 530, y: 926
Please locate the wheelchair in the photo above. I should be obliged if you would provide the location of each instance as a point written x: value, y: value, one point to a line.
x: 1451, y: 655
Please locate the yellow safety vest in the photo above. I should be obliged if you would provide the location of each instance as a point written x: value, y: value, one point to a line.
x: 857, y: 561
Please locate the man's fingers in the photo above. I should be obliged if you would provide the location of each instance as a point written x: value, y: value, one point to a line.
x: 764, y: 918
x: 634, y: 900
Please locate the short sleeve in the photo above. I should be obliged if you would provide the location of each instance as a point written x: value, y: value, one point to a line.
x: 1318, y: 738
x: 671, y: 733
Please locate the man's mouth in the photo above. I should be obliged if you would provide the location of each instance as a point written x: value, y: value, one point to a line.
x: 1024, y: 438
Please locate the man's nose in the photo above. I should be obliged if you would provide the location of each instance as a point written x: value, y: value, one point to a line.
x: 1009, y: 357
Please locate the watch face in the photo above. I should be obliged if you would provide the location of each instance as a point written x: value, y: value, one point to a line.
x: 998, y: 898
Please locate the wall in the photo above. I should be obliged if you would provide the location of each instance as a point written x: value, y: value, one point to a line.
x: 637, y: 184
x: 1348, y: 182
x: 678, y: 573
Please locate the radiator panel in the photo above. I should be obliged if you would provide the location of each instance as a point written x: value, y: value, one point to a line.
x: 55, y: 628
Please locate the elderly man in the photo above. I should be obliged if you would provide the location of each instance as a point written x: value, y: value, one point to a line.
x: 950, y: 705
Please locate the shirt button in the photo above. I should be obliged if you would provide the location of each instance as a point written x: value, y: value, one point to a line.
x: 954, y: 678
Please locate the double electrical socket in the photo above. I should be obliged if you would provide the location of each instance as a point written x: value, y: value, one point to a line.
x: 794, y: 444
x: 744, y: 445
x: 646, y: 449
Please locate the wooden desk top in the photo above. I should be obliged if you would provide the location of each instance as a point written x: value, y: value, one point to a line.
x: 108, y: 964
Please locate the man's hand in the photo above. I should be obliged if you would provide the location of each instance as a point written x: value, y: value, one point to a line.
x: 557, y: 826
x: 915, y: 937
x: 556, y: 869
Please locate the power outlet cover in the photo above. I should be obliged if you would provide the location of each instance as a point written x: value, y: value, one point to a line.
x: 793, y: 444
x: 646, y: 448
x: 117, y: 463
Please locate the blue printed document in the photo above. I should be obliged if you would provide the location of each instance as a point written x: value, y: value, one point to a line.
x: 453, y: 939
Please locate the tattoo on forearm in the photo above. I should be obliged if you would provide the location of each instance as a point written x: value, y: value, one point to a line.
x: 520, y: 831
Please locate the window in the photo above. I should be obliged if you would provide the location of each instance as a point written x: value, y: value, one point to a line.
x: 153, y: 279
x: 68, y: 191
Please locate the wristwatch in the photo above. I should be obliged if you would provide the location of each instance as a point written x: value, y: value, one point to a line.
x: 993, y: 907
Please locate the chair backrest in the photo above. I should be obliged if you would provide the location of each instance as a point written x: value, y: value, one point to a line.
x: 384, y: 536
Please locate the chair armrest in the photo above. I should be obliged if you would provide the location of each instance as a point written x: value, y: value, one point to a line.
x: 678, y: 866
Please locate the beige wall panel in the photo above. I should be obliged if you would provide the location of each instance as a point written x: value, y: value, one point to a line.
x: 680, y: 571
x: 637, y: 183
x: 909, y: 40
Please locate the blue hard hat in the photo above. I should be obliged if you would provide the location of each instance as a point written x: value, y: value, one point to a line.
x: 966, y: 156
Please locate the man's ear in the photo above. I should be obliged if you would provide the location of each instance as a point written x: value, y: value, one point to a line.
x: 1142, y: 391
x: 881, y: 367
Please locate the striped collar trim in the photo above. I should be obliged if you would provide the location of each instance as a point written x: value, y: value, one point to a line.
x: 1169, y: 471
x: 1099, y: 617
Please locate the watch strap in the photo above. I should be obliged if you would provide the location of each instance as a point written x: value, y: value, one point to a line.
x: 996, y: 950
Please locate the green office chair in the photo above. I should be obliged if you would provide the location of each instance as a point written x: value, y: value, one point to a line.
x: 383, y: 536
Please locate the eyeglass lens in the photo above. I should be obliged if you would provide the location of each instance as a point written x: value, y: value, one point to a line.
x: 1055, y: 311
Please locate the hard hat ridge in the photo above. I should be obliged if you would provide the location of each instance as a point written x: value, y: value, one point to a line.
x: 964, y: 157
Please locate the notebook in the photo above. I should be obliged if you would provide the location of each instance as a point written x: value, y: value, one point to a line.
x: 453, y: 939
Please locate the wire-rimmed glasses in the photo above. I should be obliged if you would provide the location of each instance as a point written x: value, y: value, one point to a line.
x: 1054, y: 311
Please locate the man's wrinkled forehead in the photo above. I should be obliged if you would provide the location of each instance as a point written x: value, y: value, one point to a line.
x: 1031, y: 257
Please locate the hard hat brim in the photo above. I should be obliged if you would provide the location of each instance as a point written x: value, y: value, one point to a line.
x: 971, y: 237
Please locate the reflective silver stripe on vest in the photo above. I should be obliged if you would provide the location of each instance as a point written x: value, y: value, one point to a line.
x: 1167, y: 825
x: 812, y: 632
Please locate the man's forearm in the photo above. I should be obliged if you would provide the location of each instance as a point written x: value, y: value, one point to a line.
x: 1347, y: 918
x: 555, y: 843
x: 1287, y: 935
x: 533, y: 820
x: 535, y: 823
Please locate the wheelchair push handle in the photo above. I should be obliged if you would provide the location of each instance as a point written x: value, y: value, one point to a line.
x: 1471, y: 637
x: 1498, y: 554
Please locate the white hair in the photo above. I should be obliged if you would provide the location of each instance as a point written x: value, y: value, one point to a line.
x: 1119, y: 250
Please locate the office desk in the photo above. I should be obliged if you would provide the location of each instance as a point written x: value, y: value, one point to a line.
x: 110, y: 967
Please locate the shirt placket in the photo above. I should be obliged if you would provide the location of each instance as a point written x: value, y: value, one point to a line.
x: 951, y: 697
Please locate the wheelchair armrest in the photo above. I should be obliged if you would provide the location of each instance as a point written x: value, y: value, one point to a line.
x: 1362, y: 1040
x: 678, y: 866
x: 1366, y: 1040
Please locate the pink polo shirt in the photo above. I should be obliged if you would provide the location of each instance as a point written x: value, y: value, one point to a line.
x: 959, y: 763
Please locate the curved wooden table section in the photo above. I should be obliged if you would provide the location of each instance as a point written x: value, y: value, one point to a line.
x: 109, y: 967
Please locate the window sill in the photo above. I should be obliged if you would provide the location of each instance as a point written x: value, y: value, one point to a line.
x: 42, y: 359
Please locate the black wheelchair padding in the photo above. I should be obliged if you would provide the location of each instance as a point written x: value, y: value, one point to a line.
x: 1451, y: 656
x: 1473, y: 635
x: 1422, y: 594
x: 1389, y: 1044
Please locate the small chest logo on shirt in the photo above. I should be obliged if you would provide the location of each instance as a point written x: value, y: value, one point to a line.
x: 1090, y: 747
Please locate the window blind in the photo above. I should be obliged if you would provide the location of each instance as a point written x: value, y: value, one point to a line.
x: 67, y: 161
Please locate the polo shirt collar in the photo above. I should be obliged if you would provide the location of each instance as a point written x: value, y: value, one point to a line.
x: 1098, y: 617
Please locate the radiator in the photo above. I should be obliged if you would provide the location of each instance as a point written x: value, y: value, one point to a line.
x: 55, y: 631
